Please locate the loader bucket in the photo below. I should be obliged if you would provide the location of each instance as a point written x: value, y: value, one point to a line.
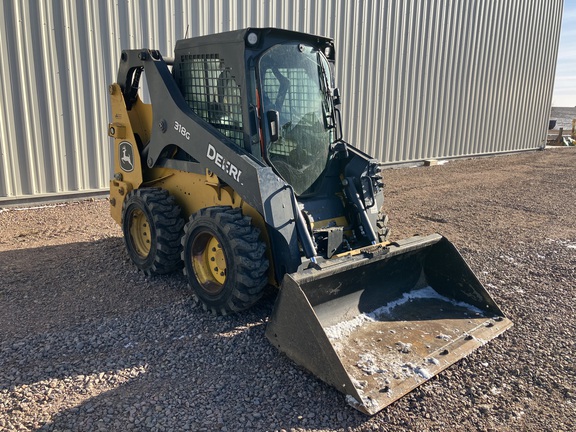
x: 377, y: 327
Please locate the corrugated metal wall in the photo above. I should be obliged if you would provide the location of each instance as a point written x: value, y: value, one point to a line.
x: 419, y: 79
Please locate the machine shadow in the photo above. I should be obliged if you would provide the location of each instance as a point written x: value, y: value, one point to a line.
x: 60, y: 303
x: 224, y: 377
x: 80, y: 318
x: 50, y: 288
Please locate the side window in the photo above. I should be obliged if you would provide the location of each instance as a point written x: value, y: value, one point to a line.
x: 230, y: 116
x: 291, y: 92
x: 212, y: 92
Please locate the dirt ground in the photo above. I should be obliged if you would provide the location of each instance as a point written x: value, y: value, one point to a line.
x: 88, y: 343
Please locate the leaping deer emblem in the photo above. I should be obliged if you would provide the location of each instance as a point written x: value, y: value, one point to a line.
x: 126, y: 158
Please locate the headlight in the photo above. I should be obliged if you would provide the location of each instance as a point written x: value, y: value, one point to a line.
x: 252, y: 38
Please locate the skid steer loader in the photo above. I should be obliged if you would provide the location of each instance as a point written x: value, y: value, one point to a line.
x: 237, y: 172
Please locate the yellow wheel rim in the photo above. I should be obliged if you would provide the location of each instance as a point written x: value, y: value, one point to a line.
x: 140, y: 233
x: 209, y: 262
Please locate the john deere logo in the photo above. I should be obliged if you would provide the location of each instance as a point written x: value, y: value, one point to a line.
x: 126, y: 156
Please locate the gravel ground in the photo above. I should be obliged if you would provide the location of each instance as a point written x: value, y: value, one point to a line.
x: 88, y: 343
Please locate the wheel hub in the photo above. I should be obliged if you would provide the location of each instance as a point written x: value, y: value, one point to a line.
x: 209, y: 262
x: 140, y: 233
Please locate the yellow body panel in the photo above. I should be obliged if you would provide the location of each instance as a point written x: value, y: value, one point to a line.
x: 123, y: 128
x: 192, y: 191
x: 118, y: 192
x: 196, y: 191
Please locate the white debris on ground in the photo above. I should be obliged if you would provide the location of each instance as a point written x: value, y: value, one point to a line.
x: 40, y: 207
x: 570, y: 244
x: 507, y: 259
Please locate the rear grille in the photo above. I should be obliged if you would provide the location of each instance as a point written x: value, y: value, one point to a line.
x: 211, y: 92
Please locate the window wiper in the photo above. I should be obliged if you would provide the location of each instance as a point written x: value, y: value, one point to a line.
x: 327, y: 112
x: 324, y: 82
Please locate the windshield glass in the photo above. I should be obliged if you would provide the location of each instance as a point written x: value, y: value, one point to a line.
x: 296, y: 81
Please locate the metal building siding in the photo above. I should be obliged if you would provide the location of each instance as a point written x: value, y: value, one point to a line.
x: 448, y: 79
x: 419, y: 79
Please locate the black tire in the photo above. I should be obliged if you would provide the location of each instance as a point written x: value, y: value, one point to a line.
x: 224, y: 260
x: 382, y: 225
x: 152, y: 226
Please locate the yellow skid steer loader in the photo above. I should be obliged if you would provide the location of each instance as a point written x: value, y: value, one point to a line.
x: 237, y: 172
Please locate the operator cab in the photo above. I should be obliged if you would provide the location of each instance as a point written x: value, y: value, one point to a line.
x: 270, y: 94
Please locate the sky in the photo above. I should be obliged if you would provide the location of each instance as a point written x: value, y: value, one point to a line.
x: 565, y: 81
